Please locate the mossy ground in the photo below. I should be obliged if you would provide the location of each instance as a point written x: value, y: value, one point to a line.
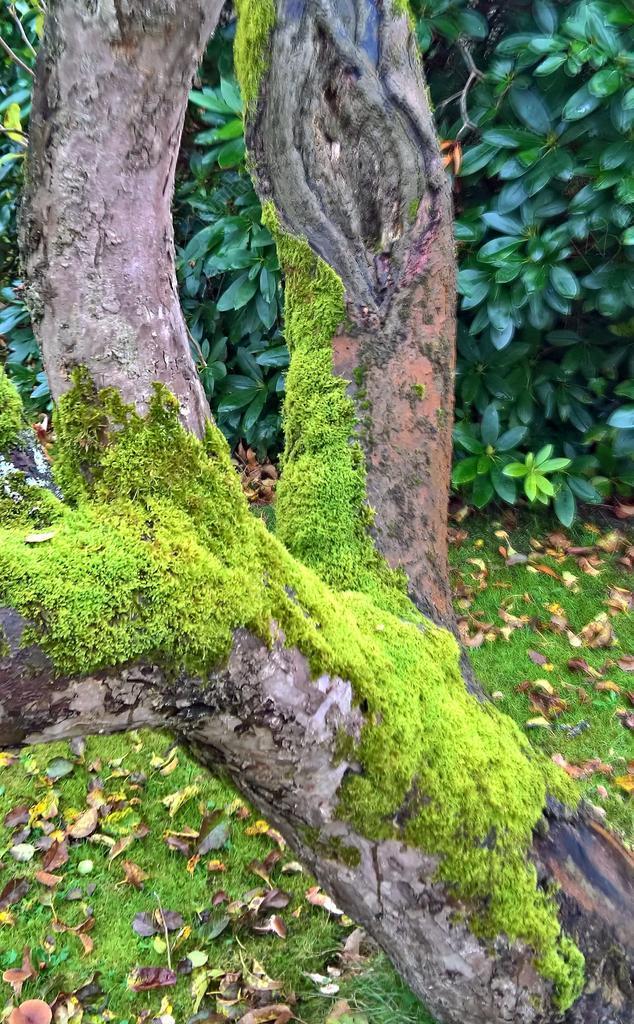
x: 313, y: 937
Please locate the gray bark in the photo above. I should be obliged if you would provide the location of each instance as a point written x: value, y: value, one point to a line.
x: 96, y: 232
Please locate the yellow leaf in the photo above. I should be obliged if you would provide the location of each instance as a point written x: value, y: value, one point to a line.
x: 13, y: 123
x: 260, y: 828
x: 538, y: 723
x: 175, y: 801
x: 626, y: 782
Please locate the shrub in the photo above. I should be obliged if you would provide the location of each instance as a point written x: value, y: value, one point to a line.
x: 538, y: 101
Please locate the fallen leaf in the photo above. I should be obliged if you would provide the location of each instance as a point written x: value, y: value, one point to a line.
x: 581, y: 665
x: 39, y: 538
x: 626, y: 663
x: 598, y: 632
x: 215, y: 839
x: 176, y: 800
x: 133, y: 874
x: 537, y: 723
x: 625, y: 782
x: 85, y: 824
x: 17, y: 816
x: 143, y: 924
x: 47, y: 879
x: 608, y: 685
x: 623, y: 511
x: 293, y: 867
x: 22, y: 852
x: 278, y: 1012
x: 145, y: 978
x: 59, y: 767
x: 15, y: 890
x: 318, y: 898
x: 17, y: 976
x: 273, y: 924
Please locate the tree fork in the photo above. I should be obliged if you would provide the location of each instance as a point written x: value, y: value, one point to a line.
x: 308, y: 698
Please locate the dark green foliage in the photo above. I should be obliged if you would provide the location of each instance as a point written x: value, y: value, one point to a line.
x: 227, y: 265
x: 20, y: 351
x: 544, y: 226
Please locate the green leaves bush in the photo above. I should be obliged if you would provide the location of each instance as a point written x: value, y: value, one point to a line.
x: 227, y: 265
x: 541, y: 97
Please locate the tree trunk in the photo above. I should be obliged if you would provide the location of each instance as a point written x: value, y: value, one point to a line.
x: 97, y: 238
x: 350, y: 159
x: 161, y: 600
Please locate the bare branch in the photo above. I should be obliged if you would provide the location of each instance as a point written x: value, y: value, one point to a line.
x: 14, y: 57
x: 20, y: 28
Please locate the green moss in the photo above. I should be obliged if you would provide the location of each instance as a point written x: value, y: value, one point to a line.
x: 162, y: 559
x: 10, y: 412
x: 322, y: 515
x: 420, y: 390
x: 26, y: 506
x: 412, y: 210
x: 256, y: 21
x: 4, y: 644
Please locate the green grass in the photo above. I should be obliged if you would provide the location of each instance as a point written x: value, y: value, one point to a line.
x: 314, y: 938
x: 503, y: 664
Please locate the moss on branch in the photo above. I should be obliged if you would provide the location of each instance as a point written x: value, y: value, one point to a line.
x: 256, y: 21
x: 159, y: 558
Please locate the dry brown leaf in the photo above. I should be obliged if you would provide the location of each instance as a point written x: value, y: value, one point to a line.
x: 133, y: 875
x: 85, y: 825
x: 598, y: 632
x: 47, y: 879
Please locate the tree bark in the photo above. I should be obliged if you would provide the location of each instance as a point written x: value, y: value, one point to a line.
x: 263, y: 716
x: 96, y: 231
x: 350, y: 158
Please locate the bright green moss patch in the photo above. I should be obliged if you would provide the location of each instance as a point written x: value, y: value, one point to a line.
x: 256, y: 21
x: 322, y: 514
x: 10, y: 412
x: 161, y: 559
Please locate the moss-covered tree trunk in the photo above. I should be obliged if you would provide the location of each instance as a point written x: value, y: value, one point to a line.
x: 348, y: 159
x: 151, y: 596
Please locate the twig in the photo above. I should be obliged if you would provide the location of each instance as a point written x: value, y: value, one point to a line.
x: 165, y: 931
x: 14, y: 57
x: 20, y: 27
x: 196, y: 345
